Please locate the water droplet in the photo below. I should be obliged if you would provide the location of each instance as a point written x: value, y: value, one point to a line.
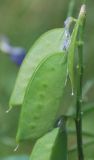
x: 72, y: 93
x: 16, y: 148
x: 59, y: 123
x: 8, y: 110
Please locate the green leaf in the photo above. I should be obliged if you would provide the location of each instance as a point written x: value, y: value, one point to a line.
x: 47, y: 44
x: 43, y: 98
x: 52, y: 146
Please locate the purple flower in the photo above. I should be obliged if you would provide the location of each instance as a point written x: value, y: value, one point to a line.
x: 16, y: 54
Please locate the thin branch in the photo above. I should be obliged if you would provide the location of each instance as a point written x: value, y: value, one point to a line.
x: 78, y: 119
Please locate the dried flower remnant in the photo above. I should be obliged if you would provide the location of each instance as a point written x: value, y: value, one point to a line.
x: 67, y: 34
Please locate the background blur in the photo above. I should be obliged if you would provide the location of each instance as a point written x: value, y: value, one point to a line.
x: 22, y: 21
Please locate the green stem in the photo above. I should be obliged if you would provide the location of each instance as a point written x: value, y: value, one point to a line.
x: 71, y: 8
x: 78, y: 119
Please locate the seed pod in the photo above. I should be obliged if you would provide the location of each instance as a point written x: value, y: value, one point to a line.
x: 43, y: 98
x: 47, y: 44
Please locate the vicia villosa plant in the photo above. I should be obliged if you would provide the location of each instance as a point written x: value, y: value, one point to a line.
x: 39, y: 91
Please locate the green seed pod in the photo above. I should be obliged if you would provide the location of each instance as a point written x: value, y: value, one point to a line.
x: 47, y: 44
x: 43, y: 98
x: 52, y: 146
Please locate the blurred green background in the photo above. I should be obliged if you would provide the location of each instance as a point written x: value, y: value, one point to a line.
x: 23, y: 21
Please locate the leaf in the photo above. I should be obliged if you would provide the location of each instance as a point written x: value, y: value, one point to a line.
x: 43, y: 98
x: 47, y: 44
x: 52, y: 146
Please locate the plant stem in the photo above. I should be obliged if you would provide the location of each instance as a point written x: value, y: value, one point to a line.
x: 71, y: 8
x: 78, y: 119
